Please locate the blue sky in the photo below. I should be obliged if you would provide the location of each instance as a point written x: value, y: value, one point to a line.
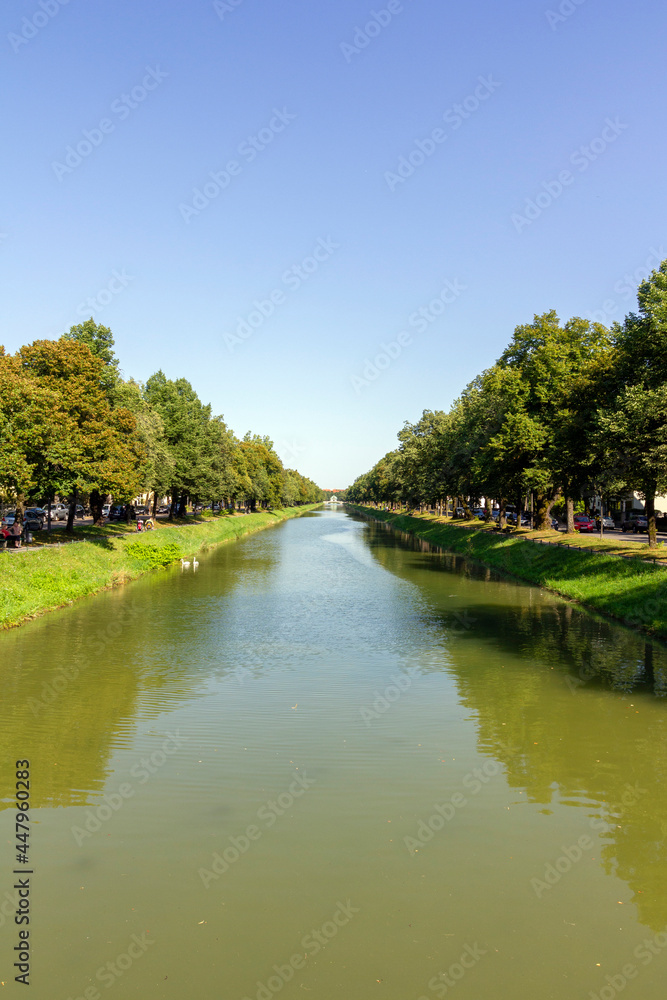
x: 219, y: 183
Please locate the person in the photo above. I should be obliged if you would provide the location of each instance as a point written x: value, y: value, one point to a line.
x: 15, y: 532
x: 4, y: 529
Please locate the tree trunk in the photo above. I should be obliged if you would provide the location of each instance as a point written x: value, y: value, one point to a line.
x: 543, y: 505
x: 154, y: 504
x: 650, y: 514
x: 71, y: 512
x: 174, y: 503
x: 487, y: 509
x: 519, y: 510
x: 96, y: 504
x: 20, y: 505
x: 502, y: 520
x: 569, y: 515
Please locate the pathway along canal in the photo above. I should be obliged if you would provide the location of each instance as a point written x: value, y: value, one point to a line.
x: 333, y: 763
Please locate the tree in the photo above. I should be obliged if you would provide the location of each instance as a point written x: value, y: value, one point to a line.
x: 33, y: 430
x: 633, y: 418
x: 638, y: 427
x: 99, y: 340
x: 157, y: 466
x: 551, y: 361
x: 184, y: 418
x: 99, y: 446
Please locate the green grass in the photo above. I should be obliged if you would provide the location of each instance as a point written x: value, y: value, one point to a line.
x: 33, y: 582
x: 595, y: 573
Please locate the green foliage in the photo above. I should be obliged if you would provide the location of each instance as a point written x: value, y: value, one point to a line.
x: 99, y: 340
x: 567, y: 411
x: 69, y: 424
x: 150, y: 555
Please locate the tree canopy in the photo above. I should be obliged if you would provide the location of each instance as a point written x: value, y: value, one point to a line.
x: 567, y: 410
x: 72, y: 426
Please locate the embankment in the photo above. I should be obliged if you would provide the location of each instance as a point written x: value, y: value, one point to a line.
x: 34, y: 582
x: 630, y: 590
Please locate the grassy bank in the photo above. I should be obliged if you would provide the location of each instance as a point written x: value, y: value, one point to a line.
x: 616, y: 578
x: 33, y: 582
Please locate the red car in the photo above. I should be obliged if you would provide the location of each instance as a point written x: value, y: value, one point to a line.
x: 582, y: 522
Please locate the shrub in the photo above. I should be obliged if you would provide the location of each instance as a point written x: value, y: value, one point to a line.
x: 150, y: 555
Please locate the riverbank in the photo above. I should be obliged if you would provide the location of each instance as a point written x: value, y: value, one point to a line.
x: 35, y: 582
x: 606, y: 577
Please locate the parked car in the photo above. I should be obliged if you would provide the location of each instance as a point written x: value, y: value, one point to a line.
x: 163, y: 509
x: 142, y: 510
x: 105, y: 509
x: 525, y: 519
x: 80, y: 511
x: 635, y: 520
x: 59, y: 512
x: 35, y: 514
x: 9, y: 517
x: 554, y: 524
x: 608, y: 523
x: 119, y: 512
x: 582, y: 522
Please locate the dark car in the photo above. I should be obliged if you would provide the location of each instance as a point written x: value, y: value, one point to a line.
x: 525, y: 519
x: 635, y: 520
x: 582, y: 522
x: 119, y: 512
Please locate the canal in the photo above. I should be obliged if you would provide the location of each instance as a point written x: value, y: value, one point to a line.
x: 334, y: 763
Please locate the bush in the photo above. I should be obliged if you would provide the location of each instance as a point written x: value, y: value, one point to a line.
x: 150, y: 555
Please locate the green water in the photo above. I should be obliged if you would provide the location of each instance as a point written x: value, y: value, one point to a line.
x: 328, y: 728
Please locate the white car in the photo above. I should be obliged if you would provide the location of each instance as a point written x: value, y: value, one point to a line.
x: 105, y: 509
x: 608, y: 523
x: 59, y: 512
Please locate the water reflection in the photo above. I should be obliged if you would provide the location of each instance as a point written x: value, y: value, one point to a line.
x: 547, y: 631
x: 564, y: 700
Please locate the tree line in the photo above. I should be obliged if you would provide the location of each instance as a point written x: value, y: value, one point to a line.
x: 72, y: 427
x: 568, y: 411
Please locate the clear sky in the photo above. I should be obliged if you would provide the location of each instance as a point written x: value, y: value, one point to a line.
x: 260, y: 194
